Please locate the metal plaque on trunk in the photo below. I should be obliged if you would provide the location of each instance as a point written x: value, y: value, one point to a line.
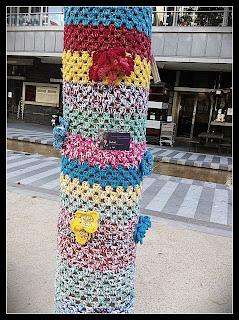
x: 114, y: 140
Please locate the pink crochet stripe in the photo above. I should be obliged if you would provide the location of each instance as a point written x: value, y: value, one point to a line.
x: 95, y: 258
x: 112, y: 247
x: 76, y: 147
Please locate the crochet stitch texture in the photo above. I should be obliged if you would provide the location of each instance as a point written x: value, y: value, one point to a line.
x: 77, y: 68
x: 81, y: 39
x: 104, y: 99
x: 106, y: 78
x: 140, y: 17
x: 110, y: 61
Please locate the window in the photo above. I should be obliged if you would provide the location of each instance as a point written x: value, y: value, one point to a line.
x: 55, y: 16
x: 12, y: 16
x: 23, y: 16
x: 23, y: 9
x: 30, y: 93
x: 35, y: 16
x: 35, y: 9
x: 41, y: 94
x: 8, y: 16
x: 46, y: 95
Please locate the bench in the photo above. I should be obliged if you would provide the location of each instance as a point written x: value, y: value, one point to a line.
x: 194, y: 143
x: 226, y: 146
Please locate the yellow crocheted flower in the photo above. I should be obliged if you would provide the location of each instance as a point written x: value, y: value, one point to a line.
x: 84, y: 225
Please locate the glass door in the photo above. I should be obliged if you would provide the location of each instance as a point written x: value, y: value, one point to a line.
x: 202, y: 116
x: 186, y: 114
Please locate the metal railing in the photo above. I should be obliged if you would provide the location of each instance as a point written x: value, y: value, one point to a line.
x: 193, y: 18
x: 173, y: 18
x: 35, y: 19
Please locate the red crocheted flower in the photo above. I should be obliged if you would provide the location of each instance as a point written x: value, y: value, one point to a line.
x: 110, y: 61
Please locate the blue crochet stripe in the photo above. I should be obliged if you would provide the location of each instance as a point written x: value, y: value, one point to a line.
x: 140, y: 17
x: 109, y: 175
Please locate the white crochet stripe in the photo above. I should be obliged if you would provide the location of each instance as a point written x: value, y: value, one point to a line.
x: 100, y: 98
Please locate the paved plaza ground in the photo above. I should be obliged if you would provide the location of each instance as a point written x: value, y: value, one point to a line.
x: 178, y: 270
x: 185, y: 262
x: 199, y: 205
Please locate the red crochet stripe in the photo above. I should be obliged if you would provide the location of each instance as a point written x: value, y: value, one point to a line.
x: 80, y: 38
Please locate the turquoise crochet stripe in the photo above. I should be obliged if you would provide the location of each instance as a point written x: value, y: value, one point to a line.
x: 88, y: 124
x: 111, y: 212
x: 86, y: 290
x: 109, y: 175
x: 139, y: 17
x: 66, y: 307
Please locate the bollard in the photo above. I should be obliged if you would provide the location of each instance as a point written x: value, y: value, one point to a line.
x: 53, y: 120
x: 102, y: 140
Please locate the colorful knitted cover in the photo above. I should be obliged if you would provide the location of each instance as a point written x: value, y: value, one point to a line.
x: 102, y: 140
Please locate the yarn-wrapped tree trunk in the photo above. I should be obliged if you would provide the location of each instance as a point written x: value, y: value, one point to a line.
x: 102, y: 140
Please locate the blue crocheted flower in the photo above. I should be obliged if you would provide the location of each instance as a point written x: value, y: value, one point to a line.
x: 147, y: 163
x: 64, y: 122
x: 59, y: 133
x: 140, y: 228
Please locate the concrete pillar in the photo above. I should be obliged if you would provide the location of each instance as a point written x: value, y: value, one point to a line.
x: 175, y: 99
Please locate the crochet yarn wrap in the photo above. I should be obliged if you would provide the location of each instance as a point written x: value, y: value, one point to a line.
x: 106, y: 78
x: 110, y: 61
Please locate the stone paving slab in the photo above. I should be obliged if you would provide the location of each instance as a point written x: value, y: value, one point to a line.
x: 179, y: 199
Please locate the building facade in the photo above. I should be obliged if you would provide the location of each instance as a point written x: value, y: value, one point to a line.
x: 192, y: 48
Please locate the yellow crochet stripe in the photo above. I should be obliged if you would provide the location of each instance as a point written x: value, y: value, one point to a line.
x: 76, y: 67
x: 98, y: 194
